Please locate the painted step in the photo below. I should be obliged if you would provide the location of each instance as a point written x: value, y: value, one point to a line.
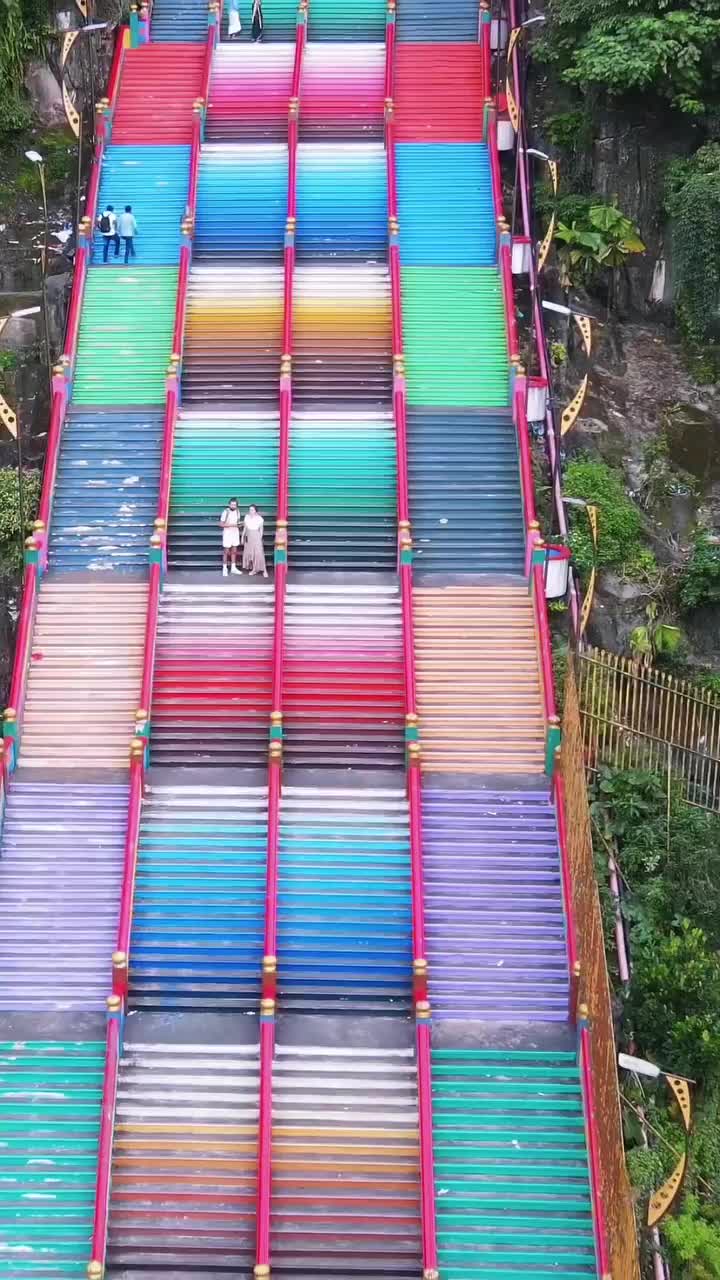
x: 342, y: 336
x: 184, y: 1159
x: 439, y: 92
x: 187, y: 21
x: 242, y: 203
x: 346, y: 1193
x: 154, y: 180
x: 478, y: 681
x: 217, y: 456
x: 250, y: 90
x: 50, y: 1098
x: 511, y: 1172
x: 341, y: 201
x: 213, y: 673
x: 233, y: 337
x: 106, y: 490
x: 125, y: 338
x: 454, y: 335
x: 197, y: 934
x: 494, y: 919
x: 61, y: 863
x: 417, y: 19
x: 85, y: 673
x: 342, y: 92
x: 344, y: 900
x: 450, y: 186
x: 343, y: 675
x: 159, y: 84
x: 280, y: 19
x: 333, y: 20
x: 343, y: 491
x: 465, y: 496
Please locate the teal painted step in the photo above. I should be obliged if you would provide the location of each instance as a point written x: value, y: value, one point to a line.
x: 50, y: 1098
x: 197, y: 929
x: 125, y: 341
x: 218, y: 456
x: 343, y: 491
x: 511, y: 1172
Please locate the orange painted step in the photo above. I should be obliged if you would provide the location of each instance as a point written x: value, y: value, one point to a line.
x: 478, y: 681
x: 85, y: 673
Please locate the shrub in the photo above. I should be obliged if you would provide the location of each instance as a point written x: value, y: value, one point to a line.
x: 694, y: 1242
x: 701, y: 581
x: 619, y: 521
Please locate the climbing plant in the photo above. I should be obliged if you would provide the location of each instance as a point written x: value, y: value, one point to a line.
x: 24, y: 27
x: 692, y: 199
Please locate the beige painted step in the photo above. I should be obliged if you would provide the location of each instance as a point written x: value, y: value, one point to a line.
x: 478, y: 682
x: 85, y: 673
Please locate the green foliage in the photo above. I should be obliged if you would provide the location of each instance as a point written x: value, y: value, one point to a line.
x: 10, y: 557
x: 700, y: 583
x: 619, y: 521
x: 692, y: 199
x: 569, y: 130
x: 24, y: 28
x: 646, y: 47
x: 655, y: 639
x: 694, y: 1239
x: 602, y: 238
x: 674, y: 999
x: 646, y: 1169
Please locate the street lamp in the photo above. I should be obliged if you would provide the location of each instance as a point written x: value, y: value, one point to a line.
x: 35, y: 158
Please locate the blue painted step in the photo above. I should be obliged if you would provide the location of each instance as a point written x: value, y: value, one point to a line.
x: 154, y: 180
x: 182, y: 23
x: 342, y: 200
x: 421, y: 22
x: 464, y: 480
x: 344, y: 905
x: 445, y: 204
x: 494, y: 919
x: 106, y: 490
x: 199, y: 898
x: 242, y: 201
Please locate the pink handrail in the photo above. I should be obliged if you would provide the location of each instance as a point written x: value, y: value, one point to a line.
x: 573, y: 960
x: 601, y: 1246
x: 495, y: 165
x: 105, y: 1140
x: 414, y: 783
x: 544, y: 643
x: 523, y: 440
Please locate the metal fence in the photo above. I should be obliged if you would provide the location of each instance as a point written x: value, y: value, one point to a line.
x: 636, y: 717
x: 594, y: 994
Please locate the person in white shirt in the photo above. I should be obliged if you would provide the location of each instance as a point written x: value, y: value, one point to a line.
x: 127, y: 228
x: 230, y: 525
x: 252, y: 539
x: 107, y: 226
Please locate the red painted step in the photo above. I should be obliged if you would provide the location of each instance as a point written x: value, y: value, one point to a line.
x: 439, y: 93
x: 159, y: 84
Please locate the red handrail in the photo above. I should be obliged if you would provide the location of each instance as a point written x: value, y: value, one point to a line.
x: 566, y: 878
x: 495, y: 164
x: 602, y: 1256
x: 544, y: 644
x: 509, y: 295
x: 105, y: 1140
x: 414, y: 793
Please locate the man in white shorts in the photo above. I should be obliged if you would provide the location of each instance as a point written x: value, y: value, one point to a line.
x: 230, y: 525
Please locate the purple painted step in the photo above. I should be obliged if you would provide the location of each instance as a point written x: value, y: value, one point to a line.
x: 494, y: 916
x: 60, y: 869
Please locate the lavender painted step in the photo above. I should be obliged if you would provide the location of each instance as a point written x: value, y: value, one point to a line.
x: 494, y: 916
x: 60, y: 869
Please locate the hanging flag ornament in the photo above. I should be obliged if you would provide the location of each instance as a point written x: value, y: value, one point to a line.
x: 257, y: 21
x: 572, y: 412
x: 512, y: 106
x: 547, y: 240
x: 234, y: 23
x: 68, y: 41
x: 592, y: 515
x: 666, y: 1195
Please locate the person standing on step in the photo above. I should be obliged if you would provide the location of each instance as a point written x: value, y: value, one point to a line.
x: 234, y: 23
x: 107, y: 226
x: 257, y: 21
x: 230, y: 525
x: 252, y: 539
x: 127, y: 228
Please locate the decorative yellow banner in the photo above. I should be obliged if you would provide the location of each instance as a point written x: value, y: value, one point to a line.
x: 547, y: 241
x: 68, y: 41
x: 511, y: 103
x: 572, y: 412
x: 592, y: 515
x: 73, y: 118
x: 583, y: 324
x: 8, y: 418
x: 681, y: 1089
x: 663, y: 1199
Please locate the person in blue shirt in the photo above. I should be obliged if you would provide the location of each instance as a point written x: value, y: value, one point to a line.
x: 127, y: 230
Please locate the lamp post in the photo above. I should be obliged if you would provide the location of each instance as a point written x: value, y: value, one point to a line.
x: 35, y: 158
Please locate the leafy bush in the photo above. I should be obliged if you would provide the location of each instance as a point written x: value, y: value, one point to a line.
x: 701, y: 580
x: 10, y: 515
x: 619, y: 521
x: 24, y: 27
x: 694, y: 1240
x: 692, y: 199
x: 602, y: 238
x: 674, y: 999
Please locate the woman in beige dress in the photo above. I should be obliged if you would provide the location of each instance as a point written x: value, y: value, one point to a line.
x: 252, y: 540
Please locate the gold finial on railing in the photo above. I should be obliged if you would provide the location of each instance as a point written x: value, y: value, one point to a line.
x: 422, y: 1010
x: 137, y: 747
x: 267, y: 1006
x: 95, y: 1270
x: 114, y: 1004
x: 261, y: 1271
x: 269, y: 964
x: 9, y: 715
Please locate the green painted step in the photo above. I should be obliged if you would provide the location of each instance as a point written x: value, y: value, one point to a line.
x: 511, y: 1173
x: 454, y: 337
x: 364, y: 20
x: 50, y: 1101
x: 217, y: 456
x: 125, y: 340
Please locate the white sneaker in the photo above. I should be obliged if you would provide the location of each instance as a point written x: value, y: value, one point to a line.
x: 225, y: 571
x: 234, y: 569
